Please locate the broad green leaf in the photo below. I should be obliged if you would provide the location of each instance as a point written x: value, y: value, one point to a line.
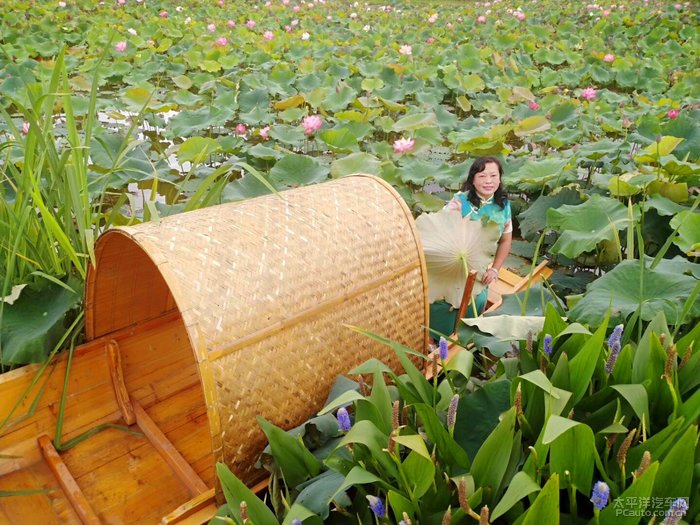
x: 196, y: 149
x: 555, y: 427
x: 545, y: 509
x: 297, y: 170
x: 537, y: 172
x: 621, y: 188
x: 531, y: 125
x: 338, y: 140
x: 35, y: 323
x: 629, y: 507
x: 636, y: 396
x: 415, y: 443
x: 355, y: 163
x: 580, y: 463
x: 295, y: 461
x: 299, y: 512
x: 688, y: 238
x: 418, y: 469
x: 182, y: 81
x: 428, y: 202
x: 534, y: 219
x: 345, y: 398
x: 287, y: 134
x: 236, y: 492
x: 414, y: 122
x: 656, y: 150
x: 537, y: 378
x: 623, y: 288
x: 520, y: 486
x: 360, y: 476
x: 473, y: 83
x: 447, y: 447
x: 583, y: 364
x: 676, y: 471
x: 583, y: 226
x: 399, y: 504
x: 317, y: 493
x: 461, y: 363
x: 508, y: 327
x: 490, y: 463
x: 291, y: 102
x: 662, y: 205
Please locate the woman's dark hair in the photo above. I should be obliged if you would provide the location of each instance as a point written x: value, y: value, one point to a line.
x: 478, y: 166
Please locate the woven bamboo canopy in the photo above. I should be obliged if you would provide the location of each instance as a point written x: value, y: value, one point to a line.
x: 264, y: 288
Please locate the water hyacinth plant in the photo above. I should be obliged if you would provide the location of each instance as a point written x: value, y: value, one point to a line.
x: 518, y: 443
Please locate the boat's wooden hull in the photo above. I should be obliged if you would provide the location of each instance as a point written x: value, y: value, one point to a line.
x: 140, y: 476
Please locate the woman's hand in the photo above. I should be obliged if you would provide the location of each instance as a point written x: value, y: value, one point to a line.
x: 490, y: 276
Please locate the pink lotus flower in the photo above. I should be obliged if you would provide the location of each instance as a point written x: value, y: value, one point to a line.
x: 251, y: 24
x: 403, y: 145
x: 296, y: 8
x: 678, y: 6
x: 589, y: 93
x: 609, y: 58
x: 288, y: 28
x: 311, y: 124
x: 268, y: 35
x: 265, y: 132
x: 285, y: 2
x: 520, y: 15
x: 211, y: 28
x: 241, y: 129
x: 61, y: 4
x: 120, y: 46
x: 305, y: 36
x: 121, y: 2
x: 406, y: 50
x: 25, y: 128
x: 221, y: 3
x: 534, y: 106
x: 231, y: 24
x: 294, y: 22
x: 606, y: 12
x: 163, y: 14
x: 673, y: 113
x: 481, y: 19
x: 429, y: 40
x: 221, y: 41
x: 432, y: 18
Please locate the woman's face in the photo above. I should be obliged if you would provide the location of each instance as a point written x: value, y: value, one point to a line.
x: 486, y: 182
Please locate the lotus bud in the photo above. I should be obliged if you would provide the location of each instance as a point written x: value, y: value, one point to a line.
x: 624, y: 448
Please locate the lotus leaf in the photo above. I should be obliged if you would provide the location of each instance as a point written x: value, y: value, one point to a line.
x: 537, y: 172
x: 623, y: 289
x: 297, y: 170
x: 356, y: 163
x: 508, y: 327
x: 35, y: 322
x: 534, y: 219
x: 583, y: 226
x: 688, y: 224
x: 454, y: 245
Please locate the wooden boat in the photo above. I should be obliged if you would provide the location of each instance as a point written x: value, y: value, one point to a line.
x: 195, y: 326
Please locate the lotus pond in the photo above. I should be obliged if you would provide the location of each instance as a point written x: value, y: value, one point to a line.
x: 594, y: 109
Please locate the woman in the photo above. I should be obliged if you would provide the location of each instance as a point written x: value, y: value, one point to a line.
x: 482, y: 195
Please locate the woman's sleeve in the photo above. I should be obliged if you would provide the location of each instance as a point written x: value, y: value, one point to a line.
x: 508, y: 226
